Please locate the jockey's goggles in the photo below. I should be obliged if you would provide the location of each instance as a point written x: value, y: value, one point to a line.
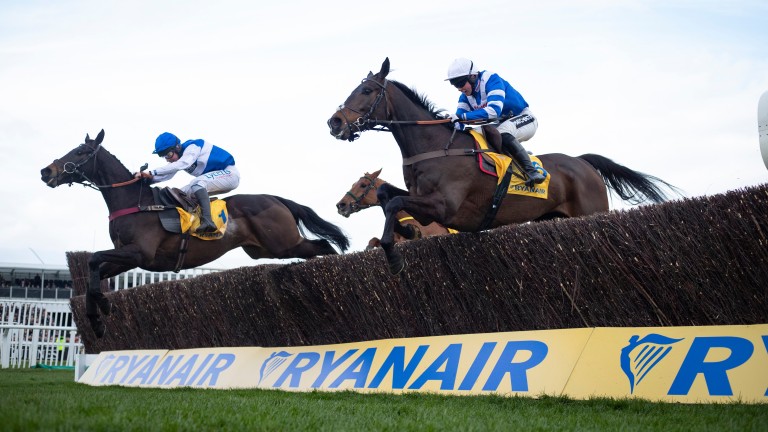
x: 459, y: 82
x: 167, y: 153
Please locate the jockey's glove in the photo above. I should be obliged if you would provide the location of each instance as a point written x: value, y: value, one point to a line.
x: 455, y: 120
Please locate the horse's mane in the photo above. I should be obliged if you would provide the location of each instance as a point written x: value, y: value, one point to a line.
x: 421, y: 100
x: 117, y: 164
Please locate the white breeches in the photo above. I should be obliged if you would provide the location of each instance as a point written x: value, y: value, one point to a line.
x: 522, y: 126
x: 215, y: 182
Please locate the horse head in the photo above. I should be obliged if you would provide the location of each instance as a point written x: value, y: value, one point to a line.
x: 359, y: 196
x: 77, y: 166
x: 363, y: 108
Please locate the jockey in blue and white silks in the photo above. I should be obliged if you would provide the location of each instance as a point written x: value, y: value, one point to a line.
x: 487, y: 96
x: 202, y: 160
x: 213, y: 168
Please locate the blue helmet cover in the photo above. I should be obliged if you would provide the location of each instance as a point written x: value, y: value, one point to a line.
x: 165, y: 141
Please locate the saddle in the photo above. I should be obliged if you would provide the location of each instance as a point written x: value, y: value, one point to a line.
x: 174, y: 197
x: 496, y: 163
x: 179, y: 214
x: 178, y: 210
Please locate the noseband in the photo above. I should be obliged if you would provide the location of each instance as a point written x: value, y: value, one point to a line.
x: 74, y: 168
x: 362, y: 122
x: 355, y: 205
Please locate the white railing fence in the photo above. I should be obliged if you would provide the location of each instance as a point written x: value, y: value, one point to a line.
x: 42, y: 332
x: 135, y: 277
x: 34, y: 332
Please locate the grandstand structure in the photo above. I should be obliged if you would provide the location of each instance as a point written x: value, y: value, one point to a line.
x: 41, y: 282
x: 54, y: 282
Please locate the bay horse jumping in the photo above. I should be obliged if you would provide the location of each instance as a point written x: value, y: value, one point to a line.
x: 446, y: 186
x: 362, y: 195
x: 265, y: 226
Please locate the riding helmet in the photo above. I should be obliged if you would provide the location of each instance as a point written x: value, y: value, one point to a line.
x: 165, y: 141
x: 461, y: 67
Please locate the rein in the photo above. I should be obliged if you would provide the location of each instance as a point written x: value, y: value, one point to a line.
x: 121, y: 184
x: 74, y: 168
x: 362, y: 122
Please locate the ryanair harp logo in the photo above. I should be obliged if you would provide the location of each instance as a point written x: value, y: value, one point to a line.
x: 641, y: 355
x: 272, y: 363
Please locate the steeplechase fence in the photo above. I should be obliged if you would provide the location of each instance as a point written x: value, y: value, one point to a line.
x: 691, y: 262
x: 581, y: 307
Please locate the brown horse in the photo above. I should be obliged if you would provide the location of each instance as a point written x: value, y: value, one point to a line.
x: 362, y: 195
x: 265, y: 226
x: 445, y: 185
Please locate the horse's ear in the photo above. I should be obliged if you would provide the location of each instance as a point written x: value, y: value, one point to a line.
x: 100, y: 137
x: 376, y: 174
x: 370, y: 75
x: 384, y: 68
x: 87, y: 137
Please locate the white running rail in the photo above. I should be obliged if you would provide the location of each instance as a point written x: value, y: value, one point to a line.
x: 35, y: 332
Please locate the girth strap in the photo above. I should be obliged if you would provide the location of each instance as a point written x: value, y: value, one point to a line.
x: 182, y: 251
x: 131, y: 210
x: 498, y: 197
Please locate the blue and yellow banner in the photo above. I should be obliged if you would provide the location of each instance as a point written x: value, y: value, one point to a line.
x: 675, y: 364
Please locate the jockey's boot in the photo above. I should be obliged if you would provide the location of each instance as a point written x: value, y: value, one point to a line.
x: 513, y: 146
x: 206, y: 223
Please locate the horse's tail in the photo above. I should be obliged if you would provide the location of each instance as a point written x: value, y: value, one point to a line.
x: 307, y: 218
x: 632, y: 186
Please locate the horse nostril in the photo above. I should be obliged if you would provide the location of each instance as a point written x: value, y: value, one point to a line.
x: 340, y: 206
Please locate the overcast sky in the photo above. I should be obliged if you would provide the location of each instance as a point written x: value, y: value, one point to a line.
x: 667, y: 88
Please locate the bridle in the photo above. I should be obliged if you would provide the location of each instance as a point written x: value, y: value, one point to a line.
x: 362, y: 122
x: 355, y: 205
x: 74, y: 168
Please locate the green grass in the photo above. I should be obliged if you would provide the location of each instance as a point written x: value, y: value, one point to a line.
x: 40, y: 399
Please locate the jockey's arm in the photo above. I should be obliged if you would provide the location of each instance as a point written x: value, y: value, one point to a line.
x: 191, y: 153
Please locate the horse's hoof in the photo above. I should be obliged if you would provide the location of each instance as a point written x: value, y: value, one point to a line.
x: 101, y: 330
x: 396, y: 268
x: 418, y: 234
x: 105, y: 306
x: 98, y: 326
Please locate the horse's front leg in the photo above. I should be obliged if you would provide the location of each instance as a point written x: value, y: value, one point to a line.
x: 421, y: 208
x: 102, y: 265
x: 385, y: 193
x: 394, y: 258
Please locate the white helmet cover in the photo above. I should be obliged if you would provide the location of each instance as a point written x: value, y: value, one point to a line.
x: 461, y: 67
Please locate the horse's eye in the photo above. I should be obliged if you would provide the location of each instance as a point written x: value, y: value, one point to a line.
x: 367, y: 91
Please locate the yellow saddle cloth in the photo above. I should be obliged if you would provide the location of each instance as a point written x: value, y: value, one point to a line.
x: 501, y: 163
x: 219, y: 215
